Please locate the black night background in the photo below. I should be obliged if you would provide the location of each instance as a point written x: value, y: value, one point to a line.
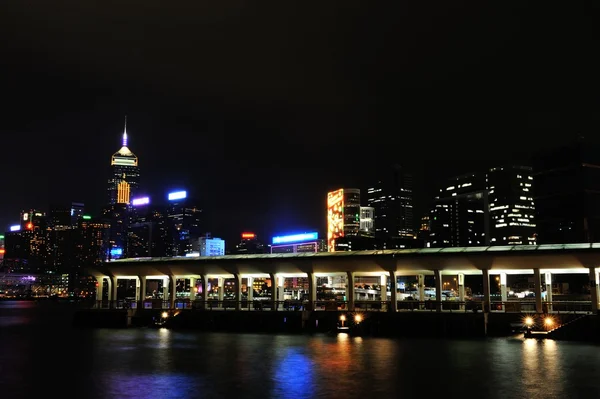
x: 261, y: 108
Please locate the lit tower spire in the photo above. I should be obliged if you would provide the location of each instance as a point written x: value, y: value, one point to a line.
x: 125, y: 133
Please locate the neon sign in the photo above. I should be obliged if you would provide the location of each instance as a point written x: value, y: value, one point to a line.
x: 295, y: 238
x: 140, y: 201
x: 177, y: 195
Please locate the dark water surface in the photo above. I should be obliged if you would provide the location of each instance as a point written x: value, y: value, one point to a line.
x: 41, y: 355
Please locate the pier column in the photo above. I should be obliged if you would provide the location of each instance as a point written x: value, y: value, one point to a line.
x: 312, y: 290
x: 350, y: 290
x: 113, y: 291
x: 421, y: 287
x: 548, y: 284
x: 238, y: 291
x: 99, y: 290
x: 165, y: 289
x: 383, y: 291
x: 204, y: 287
x: 173, y: 284
x: 273, y: 279
x: 594, y: 289
x: 221, y: 290
x: 438, y: 290
x: 537, y: 289
x: 280, y: 288
x: 461, y: 290
x: 142, y: 290
x: 394, y: 291
x: 250, y: 289
x: 486, y: 290
x: 503, y: 293
x: 192, y: 289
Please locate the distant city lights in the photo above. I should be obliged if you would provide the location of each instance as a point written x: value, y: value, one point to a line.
x: 295, y: 238
x: 2, y: 251
x: 177, y: 195
x: 140, y: 201
x: 248, y: 236
x: 86, y: 217
x: 15, y: 227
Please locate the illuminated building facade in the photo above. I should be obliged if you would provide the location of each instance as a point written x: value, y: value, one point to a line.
x: 392, y: 199
x: 512, y: 207
x: 335, y: 217
x: 492, y: 208
x: 343, y: 215
x: 123, y: 181
x: 367, y: 221
x: 212, y: 246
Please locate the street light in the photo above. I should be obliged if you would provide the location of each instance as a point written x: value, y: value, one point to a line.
x: 529, y: 322
x: 358, y: 318
x: 165, y: 315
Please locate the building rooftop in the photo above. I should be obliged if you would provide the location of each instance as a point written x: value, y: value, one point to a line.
x: 396, y: 253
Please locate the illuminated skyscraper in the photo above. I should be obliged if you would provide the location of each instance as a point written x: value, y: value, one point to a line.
x: 124, y: 176
x: 343, y: 215
x: 392, y: 198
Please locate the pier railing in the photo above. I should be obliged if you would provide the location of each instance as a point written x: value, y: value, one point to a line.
x: 580, y: 307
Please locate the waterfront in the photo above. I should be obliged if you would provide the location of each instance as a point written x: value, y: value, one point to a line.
x: 41, y: 354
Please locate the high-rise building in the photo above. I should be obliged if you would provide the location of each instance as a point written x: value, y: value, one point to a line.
x: 367, y: 218
x: 211, y: 246
x: 492, y: 208
x: 184, y: 222
x: 459, y: 217
x: 567, y: 194
x: 77, y: 211
x: 512, y: 208
x: 123, y: 181
x: 250, y: 244
x: 392, y: 199
x: 343, y: 215
x: 116, y: 217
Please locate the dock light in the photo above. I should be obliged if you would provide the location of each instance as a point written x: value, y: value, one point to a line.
x: 342, y: 318
x: 528, y: 321
x: 358, y: 318
x: 165, y: 315
x: 548, y: 322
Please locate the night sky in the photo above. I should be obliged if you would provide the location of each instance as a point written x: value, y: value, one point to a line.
x: 259, y: 108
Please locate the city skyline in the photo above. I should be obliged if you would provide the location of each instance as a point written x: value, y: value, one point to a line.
x: 218, y: 122
x: 156, y: 196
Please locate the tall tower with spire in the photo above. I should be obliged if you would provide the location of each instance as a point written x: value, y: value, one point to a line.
x: 123, y: 180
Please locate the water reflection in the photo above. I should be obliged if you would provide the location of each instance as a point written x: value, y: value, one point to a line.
x: 293, y: 372
x: 148, y: 363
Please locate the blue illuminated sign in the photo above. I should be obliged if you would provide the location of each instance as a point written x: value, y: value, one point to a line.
x: 116, y: 251
x: 296, y: 238
x: 177, y: 195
